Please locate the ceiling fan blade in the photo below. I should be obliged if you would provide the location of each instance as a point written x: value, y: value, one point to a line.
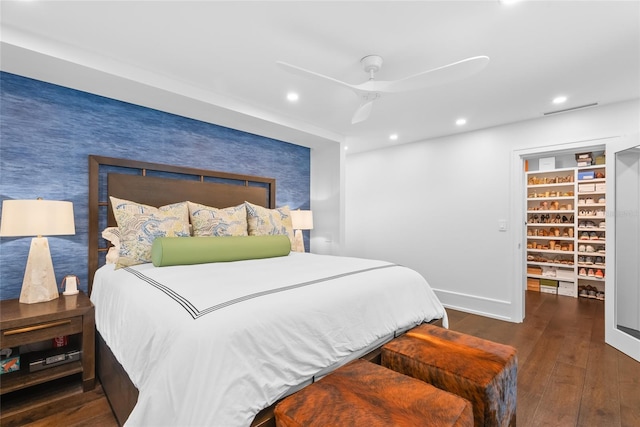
x: 363, y: 112
x: 299, y: 71
x: 436, y: 76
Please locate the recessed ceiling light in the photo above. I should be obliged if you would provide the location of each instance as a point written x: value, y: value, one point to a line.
x: 292, y: 96
x: 461, y: 122
x: 559, y: 99
x: 393, y: 137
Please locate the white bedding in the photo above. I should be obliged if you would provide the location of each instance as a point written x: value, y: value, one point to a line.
x: 211, y: 345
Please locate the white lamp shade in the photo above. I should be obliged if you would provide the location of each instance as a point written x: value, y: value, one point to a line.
x: 301, y: 220
x: 36, y: 218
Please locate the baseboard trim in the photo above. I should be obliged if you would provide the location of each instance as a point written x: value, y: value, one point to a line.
x: 487, y: 307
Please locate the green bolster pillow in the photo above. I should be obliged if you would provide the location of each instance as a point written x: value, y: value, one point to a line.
x: 200, y: 250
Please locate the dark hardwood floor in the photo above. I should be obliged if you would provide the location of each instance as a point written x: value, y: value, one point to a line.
x: 567, y: 375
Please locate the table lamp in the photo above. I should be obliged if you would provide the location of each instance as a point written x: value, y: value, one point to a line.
x: 37, y: 218
x: 300, y: 220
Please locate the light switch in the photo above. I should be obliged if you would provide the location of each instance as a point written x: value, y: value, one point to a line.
x: 502, y: 225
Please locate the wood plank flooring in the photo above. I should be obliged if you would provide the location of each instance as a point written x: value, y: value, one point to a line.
x: 567, y: 375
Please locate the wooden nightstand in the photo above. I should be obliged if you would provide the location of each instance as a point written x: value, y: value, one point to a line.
x: 23, y: 324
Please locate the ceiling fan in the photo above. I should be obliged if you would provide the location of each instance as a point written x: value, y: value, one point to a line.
x: 372, y: 89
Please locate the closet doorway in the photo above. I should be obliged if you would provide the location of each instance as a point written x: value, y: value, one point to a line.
x: 620, y: 284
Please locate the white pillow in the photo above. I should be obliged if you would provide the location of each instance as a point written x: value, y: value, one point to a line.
x: 112, y: 234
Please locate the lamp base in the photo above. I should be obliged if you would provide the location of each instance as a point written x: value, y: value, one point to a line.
x: 39, y: 284
x: 298, y: 242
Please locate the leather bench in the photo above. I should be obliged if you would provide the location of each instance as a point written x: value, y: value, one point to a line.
x: 481, y: 371
x: 363, y: 394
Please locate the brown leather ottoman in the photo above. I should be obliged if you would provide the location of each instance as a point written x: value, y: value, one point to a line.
x: 362, y: 393
x: 481, y: 371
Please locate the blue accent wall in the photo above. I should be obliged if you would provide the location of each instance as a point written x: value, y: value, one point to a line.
x: 47, y: 132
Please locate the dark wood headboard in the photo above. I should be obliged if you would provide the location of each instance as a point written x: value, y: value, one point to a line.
x: 158, y: 185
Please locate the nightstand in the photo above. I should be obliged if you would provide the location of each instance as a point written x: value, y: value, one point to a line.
x: 23, y: 324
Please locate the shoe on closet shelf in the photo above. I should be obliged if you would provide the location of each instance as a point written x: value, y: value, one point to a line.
x: 583, y: 272
x: 600, y: 295
x: 590, y: 248
x: 581, y: 259
x: 583, y: 292
x: 591, y: 273
x: 602, y: 225
x: 584, y: 235
x: 599, y: 260
x: 582, y: 248
x: 588, y: 260
x: 593, y: 236
x: 599, y: 274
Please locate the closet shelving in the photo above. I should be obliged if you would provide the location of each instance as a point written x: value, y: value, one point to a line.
x: 551, y: 226
x: 566, y: 226
x: 591, y: 254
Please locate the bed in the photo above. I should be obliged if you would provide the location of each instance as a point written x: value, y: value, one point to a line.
x: 221, y: 343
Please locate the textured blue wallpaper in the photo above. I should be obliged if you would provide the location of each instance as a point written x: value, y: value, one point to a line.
x: 47, y: 132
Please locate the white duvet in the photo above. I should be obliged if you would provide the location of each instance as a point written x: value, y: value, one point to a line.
x: 213, y: 344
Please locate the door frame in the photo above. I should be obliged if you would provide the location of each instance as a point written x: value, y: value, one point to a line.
x: 518, y: 209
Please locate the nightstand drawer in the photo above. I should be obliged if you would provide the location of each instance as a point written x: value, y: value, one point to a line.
x: 40, y: 331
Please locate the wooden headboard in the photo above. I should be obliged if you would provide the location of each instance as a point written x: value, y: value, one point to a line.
x: 158, y: 185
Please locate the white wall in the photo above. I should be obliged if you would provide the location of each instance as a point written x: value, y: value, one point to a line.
x: 435, y: 205
x: 327, y: 199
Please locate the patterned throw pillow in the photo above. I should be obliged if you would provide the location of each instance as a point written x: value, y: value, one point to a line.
x: 208, y: 221
x: 262, y: 221
x: 139, y: 224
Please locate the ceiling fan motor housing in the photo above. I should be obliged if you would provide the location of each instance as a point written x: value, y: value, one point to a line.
x: 371, y: 63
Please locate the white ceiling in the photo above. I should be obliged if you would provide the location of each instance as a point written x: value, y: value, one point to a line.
x: 216, y: 61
